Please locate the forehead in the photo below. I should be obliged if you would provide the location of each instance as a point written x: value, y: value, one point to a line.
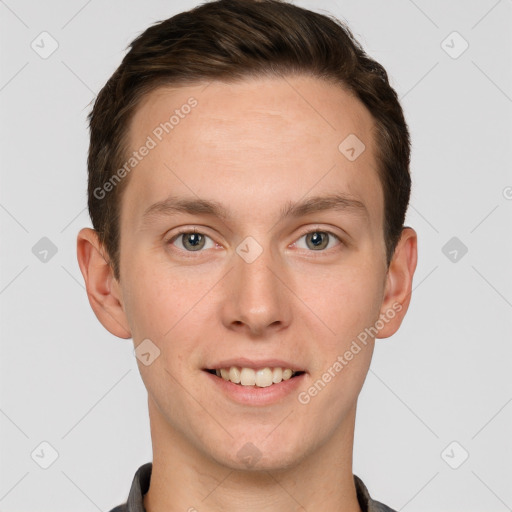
x: 254, y: 144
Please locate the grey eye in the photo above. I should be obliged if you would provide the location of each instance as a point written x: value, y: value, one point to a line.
x: 191, y: 241
x: 318, y: 240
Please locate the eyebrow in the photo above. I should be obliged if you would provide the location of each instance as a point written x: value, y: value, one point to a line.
x: 196, y: 206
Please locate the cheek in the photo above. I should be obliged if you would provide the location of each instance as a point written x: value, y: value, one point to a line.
x: 161, y: 304
x: 154, y: 299
x: 157, y: 307
x: 347, y: 300
x: 350, y: 308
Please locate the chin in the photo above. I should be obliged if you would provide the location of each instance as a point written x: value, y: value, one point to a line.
x: 257, y: 456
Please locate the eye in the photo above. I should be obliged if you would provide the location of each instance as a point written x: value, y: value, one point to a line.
x: 191, y: 241
x: 318, y: 240
x: 194, y: 241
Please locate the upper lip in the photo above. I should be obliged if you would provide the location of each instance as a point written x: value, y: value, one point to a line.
x: 243, y: 362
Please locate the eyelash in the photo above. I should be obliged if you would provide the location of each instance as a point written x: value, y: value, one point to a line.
x: 190, y: 254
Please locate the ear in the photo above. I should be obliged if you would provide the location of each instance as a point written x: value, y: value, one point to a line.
x: 398, y: 289
x: 101, y: 285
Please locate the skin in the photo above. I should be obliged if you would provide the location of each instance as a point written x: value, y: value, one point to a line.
x: 252, y: 146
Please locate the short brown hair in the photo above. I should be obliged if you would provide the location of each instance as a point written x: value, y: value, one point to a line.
x: 229, y: 40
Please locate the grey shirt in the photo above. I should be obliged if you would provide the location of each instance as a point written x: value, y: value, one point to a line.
x: 140, y: 486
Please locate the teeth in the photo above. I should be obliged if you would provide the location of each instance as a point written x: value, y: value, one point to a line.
x: 262, y: 378
x: 234, y: 375
x: 247, y: 377
x: 277, y: 375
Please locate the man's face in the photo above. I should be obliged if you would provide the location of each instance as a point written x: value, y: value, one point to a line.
x: 253, y: 289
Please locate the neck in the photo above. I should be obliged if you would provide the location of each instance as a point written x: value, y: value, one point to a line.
x: 183, y: 479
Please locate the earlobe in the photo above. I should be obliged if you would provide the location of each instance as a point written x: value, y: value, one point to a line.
x: 397, y: 295
x: 101, y: 286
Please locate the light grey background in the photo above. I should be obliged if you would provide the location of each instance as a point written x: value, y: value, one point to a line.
x: 444, y: 377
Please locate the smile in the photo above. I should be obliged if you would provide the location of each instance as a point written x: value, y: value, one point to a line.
x: 263, y: 377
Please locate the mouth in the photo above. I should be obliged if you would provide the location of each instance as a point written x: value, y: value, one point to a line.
x: 255, y: 377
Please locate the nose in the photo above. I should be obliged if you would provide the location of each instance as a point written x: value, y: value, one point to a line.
x: 257, y: 298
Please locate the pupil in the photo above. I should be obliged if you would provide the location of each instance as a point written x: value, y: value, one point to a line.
x: 194, y: 239
x: 316, y: 238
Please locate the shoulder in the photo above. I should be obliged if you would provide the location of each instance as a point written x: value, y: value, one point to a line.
x: 365, y: 500
x: 140, y: 486
x: 376, y: 506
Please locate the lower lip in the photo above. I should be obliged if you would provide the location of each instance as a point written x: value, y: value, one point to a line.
x: 254, y: 395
